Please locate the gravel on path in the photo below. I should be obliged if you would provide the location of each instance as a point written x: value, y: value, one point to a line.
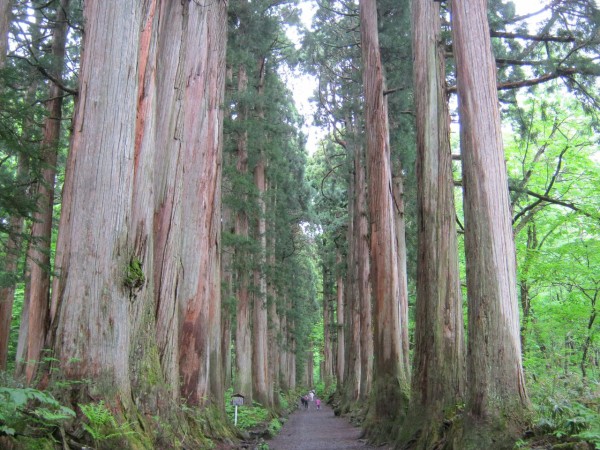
x: 318, y: 429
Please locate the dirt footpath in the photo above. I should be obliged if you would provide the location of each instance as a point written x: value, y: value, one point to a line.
x: 312, y: 429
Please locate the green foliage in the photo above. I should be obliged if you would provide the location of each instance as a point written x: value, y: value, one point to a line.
x: 134, y: 275
x: 325, y: 392
x: 566, y: 418
x: 250, y: 416
x: 274, y: 427
x: 30, y: 411
x: 101, y: 424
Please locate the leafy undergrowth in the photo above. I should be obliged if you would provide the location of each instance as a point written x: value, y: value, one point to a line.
x: 31, y: 419
x: 257, y: 423
x: 567, y: 415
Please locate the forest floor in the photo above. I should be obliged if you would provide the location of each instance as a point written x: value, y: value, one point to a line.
x: 313, y: 429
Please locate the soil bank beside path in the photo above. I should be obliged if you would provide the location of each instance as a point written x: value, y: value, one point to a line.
x: 313, y: 429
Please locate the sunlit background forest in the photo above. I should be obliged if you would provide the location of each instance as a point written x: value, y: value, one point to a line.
x: 288, y: 303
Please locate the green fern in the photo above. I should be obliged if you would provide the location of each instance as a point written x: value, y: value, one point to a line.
x: 26, y: 408
x: 102, y: 425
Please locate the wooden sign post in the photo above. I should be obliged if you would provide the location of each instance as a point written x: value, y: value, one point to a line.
x: 236, y: 400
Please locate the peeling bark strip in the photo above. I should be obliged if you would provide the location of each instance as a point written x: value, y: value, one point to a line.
x: 204, y: 78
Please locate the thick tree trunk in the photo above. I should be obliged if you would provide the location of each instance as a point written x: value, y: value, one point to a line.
x: 439, y: 374
x: 356, y: 284
x: 340, y: 363
x: 260, y: 351
x: 274, y: 346
x: 328, y: 297
x: 352, y: 356
x: 133, y: 278
x: 204, y: 39
x: 90, y: 313
x: 7, y: 293
x: 389, y: 389
x: 291, y: 369
x: 532, y: 248
x: 227, y: 296
x: 260, y: 369
x: 400, y: 228
x: 496, y: 385
x: 38, y: 255
x: 285, y: 347
x: 363, y: 274
x: 243, y: 338
x: 274, y: 351
x: 11, y: 262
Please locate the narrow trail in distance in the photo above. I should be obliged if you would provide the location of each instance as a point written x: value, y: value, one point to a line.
x: 313, y: 429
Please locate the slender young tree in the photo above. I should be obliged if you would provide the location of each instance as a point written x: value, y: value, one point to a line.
x: 438, y: 373
x: 38, y: 256
x: 15, y: 233
x: 497, y: 401
x: 390, y: 379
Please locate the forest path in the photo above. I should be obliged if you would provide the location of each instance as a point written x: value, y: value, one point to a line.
x: 318, y: 429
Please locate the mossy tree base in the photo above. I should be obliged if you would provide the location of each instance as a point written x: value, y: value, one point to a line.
x: 498, y: 432
x: 387, y: 410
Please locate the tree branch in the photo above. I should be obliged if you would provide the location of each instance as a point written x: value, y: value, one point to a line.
x: 530, y: 37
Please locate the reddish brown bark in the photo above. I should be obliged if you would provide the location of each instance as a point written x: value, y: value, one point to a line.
x: 90, y: 312
x: 496, y: 387
x: 260, y: 369
x: 340, y: 363
x: 438, y: 378
x: 227, y: 295
x: 7, y: 294
x: 328, y: 298
x: 38, y: 255
x: 200, y: 364
x: 243, y: 338
x: 388, y: 393
x: 363, y: 273
x: 152, y: 136
x: 351, y: 309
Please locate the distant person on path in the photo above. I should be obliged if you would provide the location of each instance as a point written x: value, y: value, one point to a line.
x: 305, y: 401
x: 311, y: 394
x: 318, y: 403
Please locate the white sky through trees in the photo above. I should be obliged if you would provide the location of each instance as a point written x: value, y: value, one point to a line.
x: 304, y: 85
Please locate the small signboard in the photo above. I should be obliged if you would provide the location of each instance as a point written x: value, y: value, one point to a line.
x: 237, y: 399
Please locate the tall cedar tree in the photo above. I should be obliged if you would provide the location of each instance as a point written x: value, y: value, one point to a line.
x: 137, y: 251
x: 438, y: 373
x: 6, y: 292
x: 390, y: 378
x: 496, y: 398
